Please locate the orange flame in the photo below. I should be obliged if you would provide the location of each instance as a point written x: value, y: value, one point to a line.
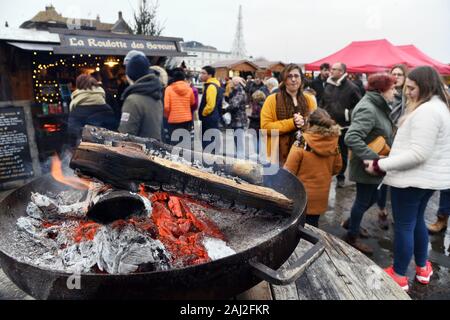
x: 74, y: 182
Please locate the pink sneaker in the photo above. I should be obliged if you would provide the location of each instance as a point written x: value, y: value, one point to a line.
x: 401, y: 281
x: 423, y: 275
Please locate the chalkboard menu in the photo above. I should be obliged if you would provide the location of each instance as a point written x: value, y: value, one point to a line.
x: 15, y: 159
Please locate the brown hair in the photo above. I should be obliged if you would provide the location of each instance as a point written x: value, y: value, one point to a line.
x: 301, y: 100
x: 404, y: 69
x: 86, y: 82
x: 380, y: 82
x: 430, y: 84
x: 321, y: 118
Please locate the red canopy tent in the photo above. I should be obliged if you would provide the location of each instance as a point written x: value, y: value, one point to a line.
x: 413, y: 51
x: 369, y: 57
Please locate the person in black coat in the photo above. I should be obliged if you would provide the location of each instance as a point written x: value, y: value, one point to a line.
x: 318, y: 84
x: 339, y: 99
x: 88, y: 107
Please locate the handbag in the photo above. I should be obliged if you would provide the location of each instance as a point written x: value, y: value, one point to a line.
x: 377, y: 145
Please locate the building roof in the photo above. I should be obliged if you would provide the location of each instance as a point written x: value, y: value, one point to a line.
x: 197, y: 45
x: 265, y: 64
x: 28, y: 35
x: 121, y: 26
x: 51, y: 18
x: 230, y: 64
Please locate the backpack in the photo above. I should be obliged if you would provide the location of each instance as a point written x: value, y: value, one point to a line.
x: 217, y: 112
x: 220, y: 95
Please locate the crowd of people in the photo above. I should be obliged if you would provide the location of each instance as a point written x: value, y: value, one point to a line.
x: 392, y: 132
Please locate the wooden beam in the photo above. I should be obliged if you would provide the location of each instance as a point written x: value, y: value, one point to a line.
x: 125, y: 167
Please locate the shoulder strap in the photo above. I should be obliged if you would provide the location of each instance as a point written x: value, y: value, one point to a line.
x: 215, y: 85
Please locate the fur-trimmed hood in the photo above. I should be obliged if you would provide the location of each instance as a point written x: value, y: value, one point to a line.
x: 323, y: 141
x: 339, y: 81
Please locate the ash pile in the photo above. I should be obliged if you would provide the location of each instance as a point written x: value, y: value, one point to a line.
x: 103, y: 230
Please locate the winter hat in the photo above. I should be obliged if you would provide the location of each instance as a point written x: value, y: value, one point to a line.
x: 137, y: 67
x: 132, y: 54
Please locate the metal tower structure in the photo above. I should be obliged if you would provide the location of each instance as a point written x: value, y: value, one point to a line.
x: 238, y: 51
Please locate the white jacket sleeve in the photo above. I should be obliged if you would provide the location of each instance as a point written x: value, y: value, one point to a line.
x: 423, y: 132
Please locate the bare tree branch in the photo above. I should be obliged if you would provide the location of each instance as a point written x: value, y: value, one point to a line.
x: 146, y: 19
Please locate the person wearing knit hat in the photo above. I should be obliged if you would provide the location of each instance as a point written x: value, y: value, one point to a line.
x: 132, y: 54
x: 137, y: 67
x: 142, y: 112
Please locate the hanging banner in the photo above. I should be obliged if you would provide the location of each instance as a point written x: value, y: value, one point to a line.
x: 75, y: 44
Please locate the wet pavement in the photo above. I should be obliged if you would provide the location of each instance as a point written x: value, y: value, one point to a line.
x: 341, y: 201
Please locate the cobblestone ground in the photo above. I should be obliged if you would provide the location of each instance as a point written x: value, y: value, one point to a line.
x: 341, y: 201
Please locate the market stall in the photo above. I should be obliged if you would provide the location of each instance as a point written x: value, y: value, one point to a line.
x: 42, y: 66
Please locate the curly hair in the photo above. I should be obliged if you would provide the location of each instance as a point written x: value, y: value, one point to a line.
x: 380, y: 82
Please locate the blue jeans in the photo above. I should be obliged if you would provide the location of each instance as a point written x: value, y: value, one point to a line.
x: 366, y: 196
x: 444, y: 203
x: 410, y: 231
x: 382, y: 195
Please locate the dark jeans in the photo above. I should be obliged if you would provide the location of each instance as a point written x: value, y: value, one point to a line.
x: 205, y: 143
x: 410, y: 231
x: 366, y: 196
x: 382, y: 195
x: 444, y: 203
x: 313, y: 220
x: 239, y: 143
x: 171, y: 127
x: 344, y: 153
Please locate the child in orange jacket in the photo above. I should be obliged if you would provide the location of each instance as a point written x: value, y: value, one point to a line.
x: 315, y: 158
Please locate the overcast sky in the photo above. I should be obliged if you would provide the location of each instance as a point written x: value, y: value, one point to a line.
x: 289, y: 30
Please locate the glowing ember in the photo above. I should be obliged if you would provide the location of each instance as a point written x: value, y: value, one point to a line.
x: 86, y: 231
x: 180, y: 230
x: 74, y: 182
x: 171, y: 234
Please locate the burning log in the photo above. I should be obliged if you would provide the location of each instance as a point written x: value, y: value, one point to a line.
x: 246, y: 170
x: 123, y: 167
x: 118, y: 205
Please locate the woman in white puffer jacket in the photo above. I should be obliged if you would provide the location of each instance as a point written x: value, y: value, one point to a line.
x: 419, y: 164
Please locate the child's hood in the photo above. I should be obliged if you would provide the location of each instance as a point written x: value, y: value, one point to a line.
x: 323, y: 141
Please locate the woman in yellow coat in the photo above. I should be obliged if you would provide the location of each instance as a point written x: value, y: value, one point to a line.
x: 285, y: 112
x: 315, y: 159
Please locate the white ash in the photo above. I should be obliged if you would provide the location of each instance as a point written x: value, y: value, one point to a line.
x: 217, y: 248
x: 78, y: 258
x: 32, y: 228
x: 50, y: 209
x: 122, y: 251
x: 69, y: 196
x: 96, y: 191
x: 112, y: 250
